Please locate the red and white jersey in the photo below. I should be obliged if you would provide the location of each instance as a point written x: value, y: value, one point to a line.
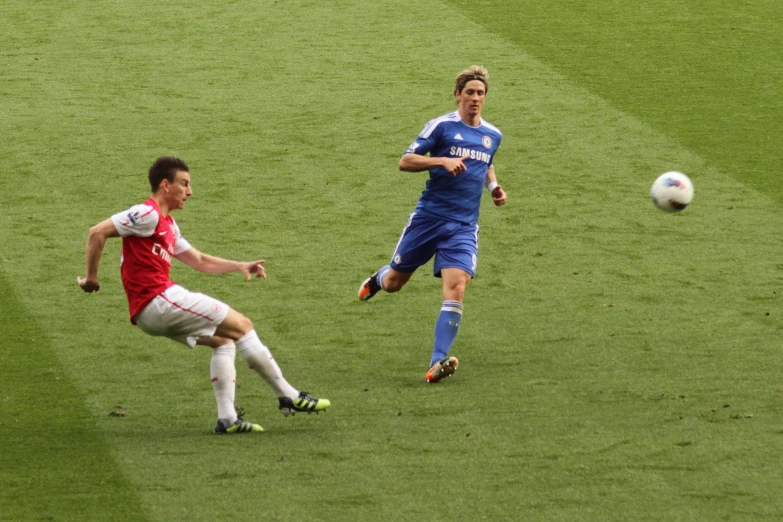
x: 149, y: 241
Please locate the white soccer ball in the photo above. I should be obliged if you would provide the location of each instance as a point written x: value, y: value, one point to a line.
x: 672, y: 191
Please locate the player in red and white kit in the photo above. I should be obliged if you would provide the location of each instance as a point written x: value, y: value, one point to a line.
x: 160, y: 307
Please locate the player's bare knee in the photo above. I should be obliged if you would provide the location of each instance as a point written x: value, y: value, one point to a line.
x: 455, y: 292
x: 214, y: 341
x: 245, y: 325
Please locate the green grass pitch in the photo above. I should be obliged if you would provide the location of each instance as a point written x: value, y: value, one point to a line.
x: 617, y: 362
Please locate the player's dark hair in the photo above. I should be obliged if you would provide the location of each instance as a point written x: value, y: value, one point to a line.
x: 165, y: 167
x: 474, y: 72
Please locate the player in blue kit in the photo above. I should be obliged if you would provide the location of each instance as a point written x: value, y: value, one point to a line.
x: 458, y: 151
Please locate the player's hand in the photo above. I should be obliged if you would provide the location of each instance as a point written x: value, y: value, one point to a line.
x: 254, y: 267
x: 499, y: 196
x: 88, y: 286
x: 455, y: 165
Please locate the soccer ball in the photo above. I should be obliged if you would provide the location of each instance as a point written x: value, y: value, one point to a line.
x: 672, y: 191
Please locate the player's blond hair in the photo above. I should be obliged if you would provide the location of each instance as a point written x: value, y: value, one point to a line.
x: 474, y: 72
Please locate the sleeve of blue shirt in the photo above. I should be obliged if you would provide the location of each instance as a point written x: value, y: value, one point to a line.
x: 426, y: 140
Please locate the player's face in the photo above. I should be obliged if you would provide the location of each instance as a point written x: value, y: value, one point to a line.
x: 471, y: 99
x: 179, y: 190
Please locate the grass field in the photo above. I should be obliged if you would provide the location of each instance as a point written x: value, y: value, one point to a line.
x: 617, y: 362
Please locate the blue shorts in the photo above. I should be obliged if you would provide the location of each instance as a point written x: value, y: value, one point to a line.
x: 454, y: 245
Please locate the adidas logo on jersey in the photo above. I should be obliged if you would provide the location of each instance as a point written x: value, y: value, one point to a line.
x: 457, y: 136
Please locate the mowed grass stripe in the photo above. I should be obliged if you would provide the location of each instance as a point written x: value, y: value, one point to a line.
x: 704, y: 73
x: 54, y: 464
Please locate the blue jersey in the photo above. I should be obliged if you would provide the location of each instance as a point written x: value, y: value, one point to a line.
x: 456, y: 198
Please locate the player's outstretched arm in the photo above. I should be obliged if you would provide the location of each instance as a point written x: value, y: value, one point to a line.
x: 95, y: 243
x: 217, y: 265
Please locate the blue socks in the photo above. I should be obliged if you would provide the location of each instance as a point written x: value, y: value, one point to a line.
x: 446, y: 329
x: 381, y: 274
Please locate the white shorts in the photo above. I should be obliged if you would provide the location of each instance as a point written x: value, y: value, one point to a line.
x: 182, y: 315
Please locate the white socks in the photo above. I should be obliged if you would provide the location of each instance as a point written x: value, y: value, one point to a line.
x: 224, y: 374
x: 258, y: 358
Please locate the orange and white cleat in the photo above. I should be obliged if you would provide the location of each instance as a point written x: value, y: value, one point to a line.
x: 442, y: 369
x: 369, y: 287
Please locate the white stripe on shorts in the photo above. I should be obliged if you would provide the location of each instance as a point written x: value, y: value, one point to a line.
x: 410, y: 220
